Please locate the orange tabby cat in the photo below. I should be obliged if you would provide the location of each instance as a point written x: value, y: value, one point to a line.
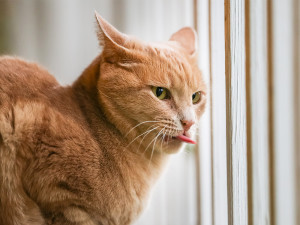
x: 89, y: 153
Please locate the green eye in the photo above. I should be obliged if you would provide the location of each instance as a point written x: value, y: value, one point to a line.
x: 196, y: 97
x: 159, y: 92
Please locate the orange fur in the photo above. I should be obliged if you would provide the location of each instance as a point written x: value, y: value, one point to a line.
x: 85, y: 154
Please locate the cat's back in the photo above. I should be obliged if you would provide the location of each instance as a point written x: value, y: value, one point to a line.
x: 25, y: 89
x: 19, y: 78
x: 24, y: 92
x: 31, y: 97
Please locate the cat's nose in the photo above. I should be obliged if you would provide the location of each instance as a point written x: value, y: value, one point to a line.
x: 187, y: 124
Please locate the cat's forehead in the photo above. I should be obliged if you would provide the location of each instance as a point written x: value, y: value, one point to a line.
x: 172, y: 68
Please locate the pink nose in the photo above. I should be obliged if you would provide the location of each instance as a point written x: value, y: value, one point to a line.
x: 187, y: 124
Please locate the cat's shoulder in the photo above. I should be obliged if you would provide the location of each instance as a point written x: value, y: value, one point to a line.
x: 16, y: 70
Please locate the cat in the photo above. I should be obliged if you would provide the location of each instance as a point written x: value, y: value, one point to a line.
x: 89, y: 153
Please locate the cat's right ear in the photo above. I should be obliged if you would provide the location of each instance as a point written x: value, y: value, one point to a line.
x: 187, y: 38
x: 111, y: 39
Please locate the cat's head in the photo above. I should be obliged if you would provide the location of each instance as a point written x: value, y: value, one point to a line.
x: 152, y: 92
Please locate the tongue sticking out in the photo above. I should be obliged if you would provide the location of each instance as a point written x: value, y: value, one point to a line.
x: 185, y: 139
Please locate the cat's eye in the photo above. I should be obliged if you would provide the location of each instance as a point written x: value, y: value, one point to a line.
x: 160, y: 93
x: 196, y: 97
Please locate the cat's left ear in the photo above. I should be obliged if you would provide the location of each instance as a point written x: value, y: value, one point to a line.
x: 187, y: 38
x: 107, y: 34
x: 112, y: 41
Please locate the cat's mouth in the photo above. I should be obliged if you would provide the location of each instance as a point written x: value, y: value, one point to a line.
x: 182, y: 137
x: 185, y: 138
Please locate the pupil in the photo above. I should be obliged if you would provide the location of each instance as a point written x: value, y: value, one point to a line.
x: 193, y: 96
x: 159, y: 91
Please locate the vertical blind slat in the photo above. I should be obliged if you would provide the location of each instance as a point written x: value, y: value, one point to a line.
x: 204, y: 131
x: 236, y: 111
x: 259, y: 112
x: 218, y: 114
x: 283, y: 68
x: 297, y: 102
x: 270, y: 111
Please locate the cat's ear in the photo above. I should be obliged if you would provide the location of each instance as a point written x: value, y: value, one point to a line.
x: 187, y: 38
x: 112, y: 40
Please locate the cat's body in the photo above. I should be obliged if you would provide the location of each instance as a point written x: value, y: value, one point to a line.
x: 77, y: 160
x: 68, y: 155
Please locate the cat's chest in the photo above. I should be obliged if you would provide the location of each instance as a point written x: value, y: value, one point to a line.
x: 115, y: 186
x: 126, y: 194
x: 71, y: 168
x: 125, y: 209
x: 110, y: 189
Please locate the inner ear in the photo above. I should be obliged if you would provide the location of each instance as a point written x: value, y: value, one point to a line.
x: 109, y: 35
x: 187, y: 38
x: 116, y: 45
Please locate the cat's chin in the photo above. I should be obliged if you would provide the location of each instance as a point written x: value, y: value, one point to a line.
x: 173, y: 146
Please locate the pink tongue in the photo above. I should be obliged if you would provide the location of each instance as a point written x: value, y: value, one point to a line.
x: 185, y: 139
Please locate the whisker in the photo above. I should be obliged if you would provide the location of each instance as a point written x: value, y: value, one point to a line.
x: 155, y: 143
x: 162, y: 139
x: 139, y: 125
x: 145, y: 136
x: 139, y: 136
x: 169, y: 134
x: 161, y: 131
x: 151, y: 142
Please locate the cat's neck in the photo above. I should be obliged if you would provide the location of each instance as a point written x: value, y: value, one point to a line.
x: 87, y: 82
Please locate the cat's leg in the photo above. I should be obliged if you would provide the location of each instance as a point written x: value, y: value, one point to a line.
x: 78, y: 216
x: 72, y: 215
x: 16, y: 208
